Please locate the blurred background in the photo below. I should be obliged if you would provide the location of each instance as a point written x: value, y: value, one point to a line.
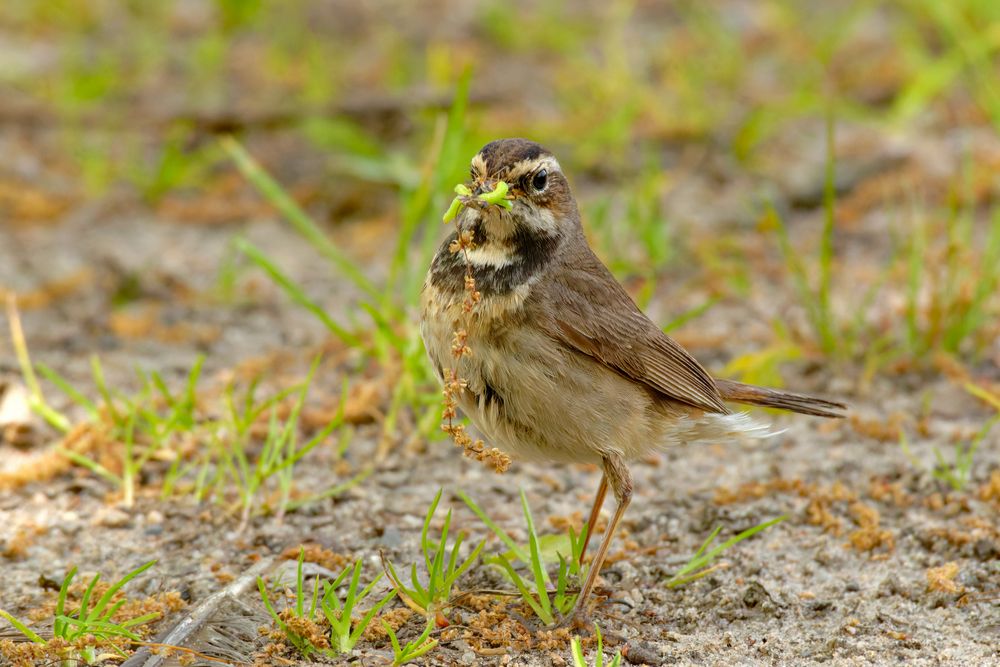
x: 783, y: 185
x: 707, y: 142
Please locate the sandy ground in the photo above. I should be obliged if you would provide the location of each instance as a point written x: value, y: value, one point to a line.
x: 877, y: 563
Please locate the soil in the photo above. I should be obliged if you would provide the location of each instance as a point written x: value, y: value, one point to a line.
x: 877, y: 562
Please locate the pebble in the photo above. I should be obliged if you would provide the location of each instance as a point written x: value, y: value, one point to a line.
x: 111, y: 517
x: 986, y: 549
x: 154, y: 518
x: 641, y: 653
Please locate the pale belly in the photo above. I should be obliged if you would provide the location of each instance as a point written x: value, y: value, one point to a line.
x: 536, y: 399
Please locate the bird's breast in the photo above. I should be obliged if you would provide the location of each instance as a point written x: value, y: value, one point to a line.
x: 500, y: 265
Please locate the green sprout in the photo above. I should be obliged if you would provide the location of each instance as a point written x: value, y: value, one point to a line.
x: 87, y: 630
x: 345, y: 629
x: 698, y: 565
x: 443, y: 567
x: 535, y: 589
x: 414, y: 649
x: 577, y: 649
x: 497, y: 196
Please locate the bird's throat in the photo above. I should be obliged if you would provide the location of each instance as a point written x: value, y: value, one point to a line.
x: 499, y: 266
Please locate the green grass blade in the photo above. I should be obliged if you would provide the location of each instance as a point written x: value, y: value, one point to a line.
x: 468, y: 563
x: 424, y: 542
x: 65, y: 387
x: 115, y: 587
x: 536, y: 563
x: 85, y: 600
x: 367, y: 618
x: 396, y: 649
x: 295, y: 292
x: 702, y: 559
x: 497, y: 530
x: 287, y: 206
x: 102, y: 388
x: 22, y: 628
x: 690, y: 315
x: 267, y: 604
x: 299, y: 598
x: 526, y: 594
x: 576, y: 647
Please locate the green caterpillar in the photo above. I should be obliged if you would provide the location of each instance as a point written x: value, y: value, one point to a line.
x: 496, y: 196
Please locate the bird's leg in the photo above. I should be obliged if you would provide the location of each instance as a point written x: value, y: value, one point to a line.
x: 595, y: 511
x: 617, y: 476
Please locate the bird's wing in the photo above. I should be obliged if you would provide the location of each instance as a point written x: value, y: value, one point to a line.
x: 583, y: 307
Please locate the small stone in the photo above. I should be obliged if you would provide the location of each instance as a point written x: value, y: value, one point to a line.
x: 154, y: 518
x: 755, y: 595
x: 986, y: 549
x: 641, y: 653
x: 111, y: 517
x: 818, y: 606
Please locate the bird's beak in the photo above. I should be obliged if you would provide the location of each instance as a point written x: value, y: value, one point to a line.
x: 482, y: 186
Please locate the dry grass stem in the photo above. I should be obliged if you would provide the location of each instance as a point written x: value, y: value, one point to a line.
x: 454, y: 384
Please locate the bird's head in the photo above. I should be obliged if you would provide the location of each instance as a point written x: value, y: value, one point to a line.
x: 515, y: 235
x: 538, y: 193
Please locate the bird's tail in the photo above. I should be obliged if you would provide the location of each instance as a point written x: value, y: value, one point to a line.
x: 737, y: 392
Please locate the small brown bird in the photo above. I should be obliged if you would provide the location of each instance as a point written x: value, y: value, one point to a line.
x: 563, y: 365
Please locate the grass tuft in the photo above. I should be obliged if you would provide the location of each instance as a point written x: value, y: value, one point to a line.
x: 301, y: 623
x: 413, y: 649
x: 441, y: 566
x: 84, y: 634
x: 537, y: 590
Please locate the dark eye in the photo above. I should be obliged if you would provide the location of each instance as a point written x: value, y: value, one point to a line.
x: 539, y: 180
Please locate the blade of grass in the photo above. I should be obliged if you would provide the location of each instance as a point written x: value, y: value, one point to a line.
x: 295, y: 292
x: 35, y: 397
x: 22, y: 628
x: 497, y: 530
x: 701, y: 559
x: 287, y: 206
x: 689, y: 315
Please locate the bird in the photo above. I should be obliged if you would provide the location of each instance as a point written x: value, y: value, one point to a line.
x: 561, y: 364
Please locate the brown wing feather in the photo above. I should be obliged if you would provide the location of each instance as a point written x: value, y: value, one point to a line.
x: 583, y: 307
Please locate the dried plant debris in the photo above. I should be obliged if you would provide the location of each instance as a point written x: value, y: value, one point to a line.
x: 454, y: 385
x: 942, y: 578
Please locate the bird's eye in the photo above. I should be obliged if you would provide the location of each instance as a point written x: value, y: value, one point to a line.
x: 539, y: 180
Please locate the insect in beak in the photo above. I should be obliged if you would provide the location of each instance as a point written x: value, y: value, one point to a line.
x: 480, y: 198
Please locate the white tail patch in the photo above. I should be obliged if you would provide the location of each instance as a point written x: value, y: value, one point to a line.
x: 717, y: 428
